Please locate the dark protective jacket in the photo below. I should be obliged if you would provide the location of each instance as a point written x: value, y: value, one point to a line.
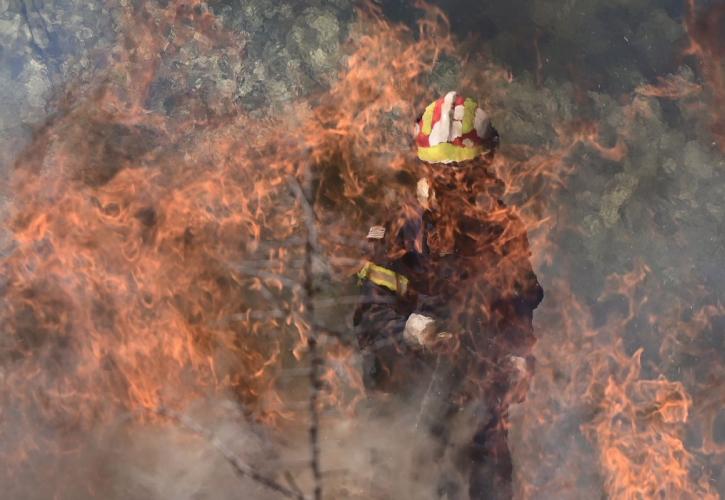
x: 466, y: 258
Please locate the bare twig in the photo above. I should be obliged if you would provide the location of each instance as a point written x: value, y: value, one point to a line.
x: 436, y: 401
x: 426, y: 401
x: 312, y: 248
x: 309, y: 215
x: 239, y: 466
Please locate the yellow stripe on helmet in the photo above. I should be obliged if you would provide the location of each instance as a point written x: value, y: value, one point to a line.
x: 446, y: 152
x: 427, y: 122
x: 469, y: 112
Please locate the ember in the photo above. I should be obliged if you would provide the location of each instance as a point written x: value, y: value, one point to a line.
x: 212, y: 207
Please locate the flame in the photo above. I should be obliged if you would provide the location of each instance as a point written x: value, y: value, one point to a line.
x: 704, y: 27
x: 159, y: 261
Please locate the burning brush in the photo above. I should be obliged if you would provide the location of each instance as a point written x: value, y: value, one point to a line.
x: 203, y: 300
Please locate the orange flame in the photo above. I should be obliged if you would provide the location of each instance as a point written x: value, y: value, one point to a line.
x: 157, y: 261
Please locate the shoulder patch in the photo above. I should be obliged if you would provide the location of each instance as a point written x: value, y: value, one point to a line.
x: 376, y: 233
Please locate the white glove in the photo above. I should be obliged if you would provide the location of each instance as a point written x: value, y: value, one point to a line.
x: 419, y: 330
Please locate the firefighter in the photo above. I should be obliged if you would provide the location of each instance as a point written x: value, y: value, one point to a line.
x: 448, y: 294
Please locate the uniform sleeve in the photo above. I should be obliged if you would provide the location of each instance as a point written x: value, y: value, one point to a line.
x: 380, y: 315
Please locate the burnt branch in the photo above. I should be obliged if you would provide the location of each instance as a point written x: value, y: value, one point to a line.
x: 241, y: 468
x: 312, y: 248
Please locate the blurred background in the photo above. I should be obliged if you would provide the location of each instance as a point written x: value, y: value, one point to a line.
x: 186, y: 187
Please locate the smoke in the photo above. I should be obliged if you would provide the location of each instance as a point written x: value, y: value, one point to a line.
x: 380, y: 451
x: 153, y: 460
x: 157, y: 263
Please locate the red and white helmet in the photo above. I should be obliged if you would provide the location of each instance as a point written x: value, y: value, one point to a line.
x: 453, y: 129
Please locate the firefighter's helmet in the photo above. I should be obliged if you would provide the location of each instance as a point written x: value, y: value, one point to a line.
x: 453, y: 129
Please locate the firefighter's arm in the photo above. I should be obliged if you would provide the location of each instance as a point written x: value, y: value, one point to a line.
x: 421, y: 329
